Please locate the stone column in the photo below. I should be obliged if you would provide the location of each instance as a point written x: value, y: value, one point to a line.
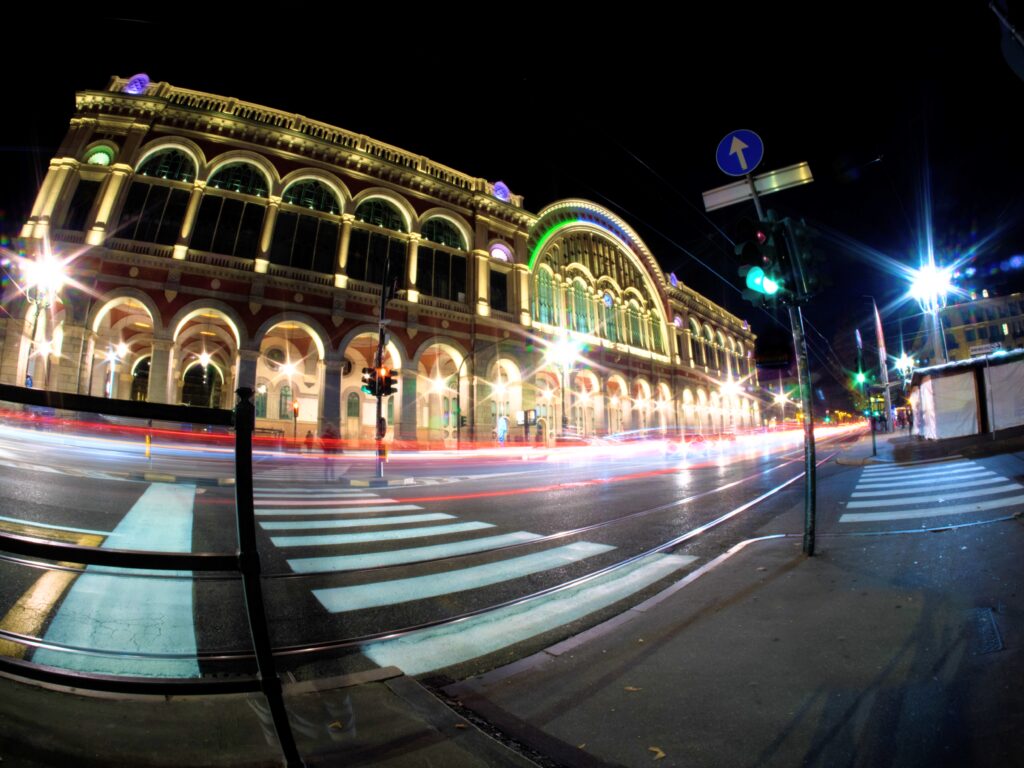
x: 482, y: 297
x: 108, y: 197
x: 411, y: 267
x: 160, y: 371
x: 54, y: 192
x: 406, y: 429
x: 267, y: 235
x: 14, y: 354
x: 188, y: 223
x: 246, y: 364
x: 521, y: 293
x: 67, y: 369
x: 346, y: 235
x: 330, y: 400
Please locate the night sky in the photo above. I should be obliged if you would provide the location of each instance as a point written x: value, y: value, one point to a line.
x: 892, y: 114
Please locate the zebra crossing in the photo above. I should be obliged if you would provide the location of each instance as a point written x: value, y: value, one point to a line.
x: 323, y: 530
x: 921, y: 491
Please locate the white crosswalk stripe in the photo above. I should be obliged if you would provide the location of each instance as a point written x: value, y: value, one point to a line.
x: 922, y: 492
x: 324, y: 530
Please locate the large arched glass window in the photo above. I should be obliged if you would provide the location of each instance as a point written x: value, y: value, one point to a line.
x: 579, y: 318
x: 243, y: 178
x: 441, y: 272
x: 170, y: 164
x: 444, y: 232
x: 608, y: 325
x: 656, y: 333
x: 155, y: 206
x: 636, y: 336
x: 304, y: 240
x: 228, y: 224
x: 369, y: 251
x: 312, y: 194
x: 545, y: 306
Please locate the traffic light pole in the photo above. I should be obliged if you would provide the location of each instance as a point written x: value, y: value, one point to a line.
x: 796, y: 322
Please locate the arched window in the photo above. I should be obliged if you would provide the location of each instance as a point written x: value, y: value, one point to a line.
x: 312, y: 194
x: 545, y: 312
x: 440, y: 272
x: 380, y: 213
x: 153, y: 210
x: 608, y: 326
x: 284, y: 403
x: 579, y: 318
x: 243, y: 178
x: 352, y: 406
x: 302, y: 240
x: 656, y: 333
x: 369, y: 251
x: 226, y: 224
x: 170, y: 164
x: 636, y: 336
x: 260, y: 401
x: 444, y: 232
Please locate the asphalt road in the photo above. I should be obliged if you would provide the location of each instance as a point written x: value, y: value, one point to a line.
x: 370, y: 575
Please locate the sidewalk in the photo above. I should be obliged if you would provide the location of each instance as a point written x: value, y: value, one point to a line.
x: 903, y: 447
x: 879, y: 651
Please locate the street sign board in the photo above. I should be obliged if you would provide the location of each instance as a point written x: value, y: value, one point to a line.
x: 739, y: 152
x: 985, y: 349
x: 765, y: 183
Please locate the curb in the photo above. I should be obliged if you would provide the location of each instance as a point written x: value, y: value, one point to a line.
x: 852, y: 462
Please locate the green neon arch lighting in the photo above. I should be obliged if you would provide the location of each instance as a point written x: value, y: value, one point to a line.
x: 555, y: 228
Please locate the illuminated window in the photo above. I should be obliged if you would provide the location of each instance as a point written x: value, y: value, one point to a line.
x: 170, y: 164
x: 352, y: 406
x: 260, y: 401
x: 545, y: 312
x: 380, y: 214
x: 636, y: 337
x: 100, y: 156
x: 444, y: 232
x: 284, y: 403
x: 312, y: 194
x: 240, y: 177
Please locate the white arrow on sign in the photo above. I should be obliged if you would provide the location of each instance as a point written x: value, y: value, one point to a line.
x: 736, y: 148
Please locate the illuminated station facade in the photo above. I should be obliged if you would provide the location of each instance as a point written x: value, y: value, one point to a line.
x: 214, y: 244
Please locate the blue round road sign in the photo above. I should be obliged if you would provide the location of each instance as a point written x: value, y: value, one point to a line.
x: 739, y: 152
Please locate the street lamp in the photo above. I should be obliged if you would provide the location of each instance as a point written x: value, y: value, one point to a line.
x: 43, y: 279
x: 564, y: 353
x: 929, y: 286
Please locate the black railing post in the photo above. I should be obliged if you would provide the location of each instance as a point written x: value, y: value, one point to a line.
x: 249, y: 565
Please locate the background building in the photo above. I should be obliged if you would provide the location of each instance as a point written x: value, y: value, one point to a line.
x: 215, y: 243
x: 983, y: 321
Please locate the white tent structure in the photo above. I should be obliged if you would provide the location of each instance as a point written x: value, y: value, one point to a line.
x: 969, y: 397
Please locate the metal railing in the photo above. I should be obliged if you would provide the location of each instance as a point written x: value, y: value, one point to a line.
x: 244, y: 561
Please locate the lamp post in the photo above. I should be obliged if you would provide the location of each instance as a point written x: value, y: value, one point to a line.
x: 44, y: 277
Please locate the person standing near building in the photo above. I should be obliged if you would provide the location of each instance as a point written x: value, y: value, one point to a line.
x: 309, y: 441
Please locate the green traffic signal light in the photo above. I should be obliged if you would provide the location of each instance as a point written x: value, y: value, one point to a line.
x: 759, y: 282
x: 860, y: 378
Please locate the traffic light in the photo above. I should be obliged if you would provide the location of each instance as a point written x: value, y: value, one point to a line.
x: 806, y: 269
x: 369, y: 381
x: 761, y: 252
x: 386, y: 381
x: 860, y: 378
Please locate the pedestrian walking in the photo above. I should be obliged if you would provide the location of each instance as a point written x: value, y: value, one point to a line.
x: 309, y: 441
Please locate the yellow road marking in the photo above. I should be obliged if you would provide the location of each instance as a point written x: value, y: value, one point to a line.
x: 28, y: 615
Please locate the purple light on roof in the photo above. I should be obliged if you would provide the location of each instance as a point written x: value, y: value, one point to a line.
x: 502, y: 192
x: 137, y: 84
x: 673, y: 279
x: 1016, y: 262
